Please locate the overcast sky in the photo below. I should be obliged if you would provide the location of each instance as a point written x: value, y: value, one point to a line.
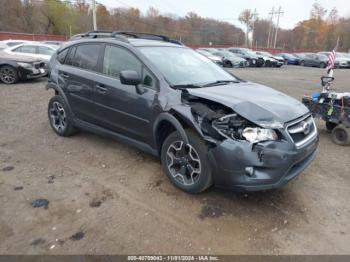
x: 229, y: 10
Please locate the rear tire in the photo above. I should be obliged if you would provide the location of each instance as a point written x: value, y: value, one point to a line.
x: 323, y: 65
x: 341, y: 135
x: 187, y: 166
x: 8, y: 75
x: 59, y: 117
x: 228, y: 64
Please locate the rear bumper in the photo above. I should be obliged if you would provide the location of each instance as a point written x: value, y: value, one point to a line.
x: 274, y: 164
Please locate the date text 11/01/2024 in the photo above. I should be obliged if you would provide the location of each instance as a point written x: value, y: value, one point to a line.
x: 173, y: 258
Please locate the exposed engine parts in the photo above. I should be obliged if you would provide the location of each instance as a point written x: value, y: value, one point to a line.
x: 218, y: 121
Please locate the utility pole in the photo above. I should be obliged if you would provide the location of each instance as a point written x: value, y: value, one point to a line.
x: 279, y: 12
x: 94, y: 14
x: 272, y: 13
x: 255, y: 15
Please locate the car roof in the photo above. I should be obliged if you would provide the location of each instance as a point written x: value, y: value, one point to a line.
x: 131, y: 41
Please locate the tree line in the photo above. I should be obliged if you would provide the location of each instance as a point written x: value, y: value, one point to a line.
x: 69, y: 17
x: 321, y: 31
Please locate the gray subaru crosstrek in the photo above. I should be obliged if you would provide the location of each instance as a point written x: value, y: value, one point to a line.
x: 207, y: 126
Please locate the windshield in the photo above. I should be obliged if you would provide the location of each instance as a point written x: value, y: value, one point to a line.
x: 226, y: 53
x: 343, y: 55
x: 324, y: 57
x: 288, y: 56
x: 250, y: 52
x: 183, y: 66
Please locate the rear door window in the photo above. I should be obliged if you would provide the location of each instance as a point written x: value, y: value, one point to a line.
x: 86, y: 56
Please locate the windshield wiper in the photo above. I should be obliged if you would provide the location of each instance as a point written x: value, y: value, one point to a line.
x: 186, y: 86
x: 220, y: 82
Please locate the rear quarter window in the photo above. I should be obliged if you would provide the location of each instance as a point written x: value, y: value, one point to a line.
x: 62, y: 55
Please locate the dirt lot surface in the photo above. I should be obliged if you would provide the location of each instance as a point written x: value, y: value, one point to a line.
x: 108, y: 198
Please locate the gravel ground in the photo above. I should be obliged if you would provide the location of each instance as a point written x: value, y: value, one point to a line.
x: 108, y: 198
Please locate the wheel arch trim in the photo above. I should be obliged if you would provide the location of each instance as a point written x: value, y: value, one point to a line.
x: 173, y: 121
x: 60, y: 92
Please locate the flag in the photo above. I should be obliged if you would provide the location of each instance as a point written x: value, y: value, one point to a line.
x: 331, y: 60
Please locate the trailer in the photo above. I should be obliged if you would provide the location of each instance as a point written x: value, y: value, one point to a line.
x: 333, y: 108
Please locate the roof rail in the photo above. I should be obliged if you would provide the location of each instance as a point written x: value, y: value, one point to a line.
x: 122, y: 36
x: 143, y: 35
x: 99, y: 34
x: 148, y: 36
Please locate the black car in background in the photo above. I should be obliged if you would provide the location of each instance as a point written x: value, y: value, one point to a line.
x: 14, y: 68
x: 270, y: 60
x: 247, y: 54
x: 207, y: 126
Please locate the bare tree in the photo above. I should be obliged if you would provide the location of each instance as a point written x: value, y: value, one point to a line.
x: 246, y: 18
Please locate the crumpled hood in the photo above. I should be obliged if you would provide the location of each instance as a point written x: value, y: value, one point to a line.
x: 257, y: 103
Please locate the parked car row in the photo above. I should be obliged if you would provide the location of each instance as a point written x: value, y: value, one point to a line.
x: 241, y: 57
x: 22, y: 60
x: 244, y: 57
x: 320, y: 59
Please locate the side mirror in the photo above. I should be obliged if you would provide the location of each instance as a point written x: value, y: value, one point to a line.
x: 132, y: 78
x: 129, y: 77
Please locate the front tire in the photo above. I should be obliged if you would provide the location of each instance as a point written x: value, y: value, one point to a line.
x: 8, y: 75
x: 59, y: 117
x: 341, y: 135
x: 186, y: 165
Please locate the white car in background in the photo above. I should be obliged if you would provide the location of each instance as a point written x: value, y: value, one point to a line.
x: 11, y: 42
x: 41, y: 51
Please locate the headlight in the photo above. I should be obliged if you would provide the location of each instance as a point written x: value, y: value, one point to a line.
x: 25, y: 65
x: 256, y: 134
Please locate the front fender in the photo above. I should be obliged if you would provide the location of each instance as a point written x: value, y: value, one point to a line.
x: 172, y: 120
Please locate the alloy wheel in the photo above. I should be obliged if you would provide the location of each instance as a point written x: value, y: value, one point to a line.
x: 7, y: 75
x: 183, y: 163
x: 58, y: 116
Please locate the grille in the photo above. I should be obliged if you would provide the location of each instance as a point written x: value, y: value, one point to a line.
x: 302, y: 131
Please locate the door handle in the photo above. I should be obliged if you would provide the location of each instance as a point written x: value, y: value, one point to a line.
x: 64, y: 75
x: 101, y: 89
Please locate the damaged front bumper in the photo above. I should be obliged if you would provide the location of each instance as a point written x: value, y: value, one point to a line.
x: 242, y: 166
